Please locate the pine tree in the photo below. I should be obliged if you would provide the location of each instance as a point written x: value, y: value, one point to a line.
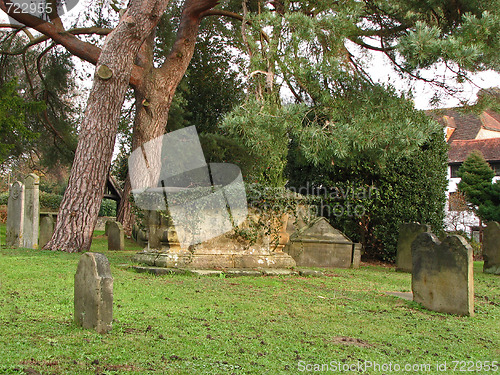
x: 476, y: 175
x: 482, y: 195
x: 17, y: 135
x: 490, y: 209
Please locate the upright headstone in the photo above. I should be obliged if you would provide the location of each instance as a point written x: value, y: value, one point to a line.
x: 47, y: 225
x: 31, y: 211
x: 491, y: 248
x: 106, y: 226
x: 116, y: 236
x: 15, y: 214
x: 94, y: 293
x: 356, y: 255
x: 442, y: 276
x: 407, y: 234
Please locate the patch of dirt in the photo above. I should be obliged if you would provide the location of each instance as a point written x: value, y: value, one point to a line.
x: 31, y: 371
x: 344, y: 340
x: 373, y: 262
x: 115, y: 368
x: 33, y: 361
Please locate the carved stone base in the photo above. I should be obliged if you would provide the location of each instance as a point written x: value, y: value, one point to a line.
x: 186, y: 259
x: 223, y: 252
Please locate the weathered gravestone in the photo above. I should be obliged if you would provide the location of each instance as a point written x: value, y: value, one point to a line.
x: 116, y: 236
x: 356, y: 255
x: 442, y: 276
x: 15, y: 214
x: 31, y: 211
x: 407, y: 234
x: 94, y: 293
x: 320, y: 245
x: 106, y: 226
x: 47, y: 225
x: 491, y: 248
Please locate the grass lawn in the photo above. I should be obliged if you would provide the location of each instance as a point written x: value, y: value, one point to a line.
x: 184, y: 324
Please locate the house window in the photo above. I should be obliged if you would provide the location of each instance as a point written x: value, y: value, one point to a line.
x: 496, y: 167
x: 454, y: 170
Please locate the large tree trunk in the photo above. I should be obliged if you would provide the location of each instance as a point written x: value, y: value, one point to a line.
x: 154, y: 96
x: 82, y: 199
x: 125, y: 214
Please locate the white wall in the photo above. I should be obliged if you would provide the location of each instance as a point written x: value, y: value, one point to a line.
x: 455, y: 220
x: 487, y: 134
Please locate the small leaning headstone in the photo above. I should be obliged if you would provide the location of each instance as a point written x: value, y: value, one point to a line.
x: 94, y: 293
x: 116, y: 235
x: 442, y: 275
x: 491, y: 248
x: 46, y: 230
x: 15, y: 215
x: 356, y: 255
x: 407, y: 234
x: 31, y: 211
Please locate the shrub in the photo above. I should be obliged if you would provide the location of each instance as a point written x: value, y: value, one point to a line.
x: 4, y: 198
x: 52, y: 187
x: 50, y: 201
x: 380, y: 197
x: 108, y: 208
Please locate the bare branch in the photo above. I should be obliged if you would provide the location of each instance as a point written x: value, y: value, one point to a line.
x: 236, y: 16
x: 183, y: 47
x: 17, y: 27
x: 84, y: 50
x: 43, y: 38
x: 360, y: 43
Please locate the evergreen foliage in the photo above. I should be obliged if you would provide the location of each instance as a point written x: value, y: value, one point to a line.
x: 476, y: 183
x: 16, y: 132
x: 476, y: 175
x: 263, y: 128
x: 489, y: 209
x: 368, y: 202
x: 43, y: 76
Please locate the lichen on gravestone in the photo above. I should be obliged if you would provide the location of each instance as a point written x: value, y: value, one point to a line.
x: 15, y: 215
x: 93, y: 293
x: 442, y: 274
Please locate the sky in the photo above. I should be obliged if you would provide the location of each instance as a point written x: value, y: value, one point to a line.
x: 382, y: 71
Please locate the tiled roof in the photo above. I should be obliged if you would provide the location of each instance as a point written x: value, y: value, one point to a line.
x: 495, y: 115
x: 467, y: 125
x: 459, y: 150
x: 491, y: 120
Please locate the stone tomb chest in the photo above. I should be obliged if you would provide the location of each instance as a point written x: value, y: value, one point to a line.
x: 318, y: 244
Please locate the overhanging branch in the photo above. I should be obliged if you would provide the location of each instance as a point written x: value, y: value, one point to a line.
x: 84, y: 50
x: 236, y: 16
x: 43, y: 38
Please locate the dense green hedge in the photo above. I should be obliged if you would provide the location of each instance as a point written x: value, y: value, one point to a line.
x: 4, y: 198
x: 368, y: 203
x: 108, y: 208
x: 51, y: 202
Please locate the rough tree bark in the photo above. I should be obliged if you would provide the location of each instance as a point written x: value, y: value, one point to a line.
x: 80, y: 206
x: 154, y: 89
x: 154, y: 96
